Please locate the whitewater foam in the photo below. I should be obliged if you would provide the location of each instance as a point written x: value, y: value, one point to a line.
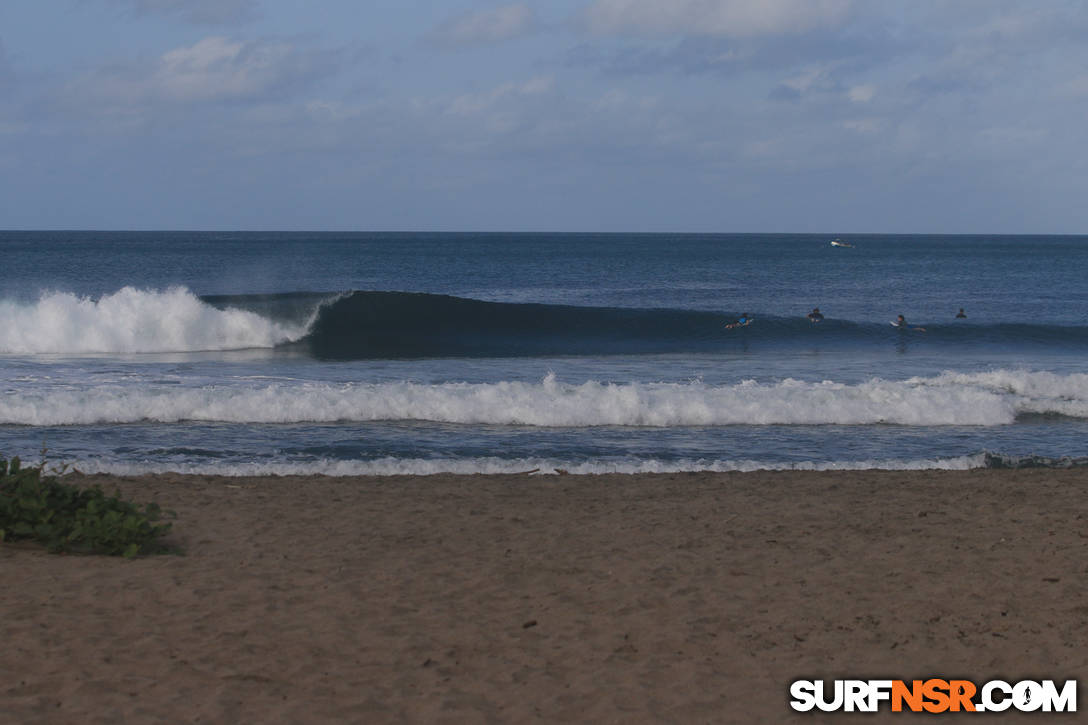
x: 1043, y: 393
x: 980, y: 399
x: 134, y: 321
x: 493, y: 465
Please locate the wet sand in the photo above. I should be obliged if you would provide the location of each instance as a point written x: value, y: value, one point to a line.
x: 514, y: 598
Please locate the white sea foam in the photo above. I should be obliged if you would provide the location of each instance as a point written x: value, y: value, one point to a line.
x: 423, y: 467
x: 1033, y: 392
x: 133, y: 321
x: 995, y: 398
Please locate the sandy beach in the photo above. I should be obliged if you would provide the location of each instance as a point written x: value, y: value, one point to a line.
x: 515, y: 598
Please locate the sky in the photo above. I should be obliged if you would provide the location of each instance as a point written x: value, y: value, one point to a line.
x: 821, y: 116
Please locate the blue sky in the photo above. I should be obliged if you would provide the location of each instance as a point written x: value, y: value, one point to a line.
x: 831, y: 116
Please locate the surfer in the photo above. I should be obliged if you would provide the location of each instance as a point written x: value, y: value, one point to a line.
x: 743, y: 321
x: 961, y: 315
x: 901, y: 323
x: 815, y: 315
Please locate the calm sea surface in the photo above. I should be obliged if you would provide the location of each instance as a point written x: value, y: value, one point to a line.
x: 416, y: 353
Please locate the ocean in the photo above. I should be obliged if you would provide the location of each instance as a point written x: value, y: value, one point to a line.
x: 414, y: 353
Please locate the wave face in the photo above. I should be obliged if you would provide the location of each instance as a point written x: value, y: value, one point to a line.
x: 363, y: 325
x: 403, y: 325
x: 134, y: 321
x: 978, y: 399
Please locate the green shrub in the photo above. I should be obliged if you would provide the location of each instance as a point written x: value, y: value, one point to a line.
x: 64, y: 517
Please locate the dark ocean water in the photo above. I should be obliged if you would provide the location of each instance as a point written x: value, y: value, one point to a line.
x: 359, y: 353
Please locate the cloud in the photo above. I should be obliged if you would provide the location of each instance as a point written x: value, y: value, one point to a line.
x: 782, y: 92
x: 215, y: 69
x: 862, y: 93
x: 198, y: 12
x: 475, y: 103
x: 219, y: 68
x: 723, y: 18
x: 930, y: 85
x: 1033, y: 26
x: 856, y: 47
x: 807, y: 79
x: 814, y: 79
x: 483, y: 27
x: 862, y: 125
x: 1076, y: 86
x: 675, y: 98
x: 974, y: 47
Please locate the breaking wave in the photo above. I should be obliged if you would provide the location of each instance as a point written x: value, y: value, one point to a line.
x: 968, y: 399
x: 390, y: 325
x: 135, y: 321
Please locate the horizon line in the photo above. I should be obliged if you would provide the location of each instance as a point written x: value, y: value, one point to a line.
x: 530, y: 231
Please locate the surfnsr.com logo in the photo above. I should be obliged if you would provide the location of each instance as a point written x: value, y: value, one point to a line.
x: 933, y: 696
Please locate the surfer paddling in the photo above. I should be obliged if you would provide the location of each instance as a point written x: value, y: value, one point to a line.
x: 901, y: 323
x: 743, y: 321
